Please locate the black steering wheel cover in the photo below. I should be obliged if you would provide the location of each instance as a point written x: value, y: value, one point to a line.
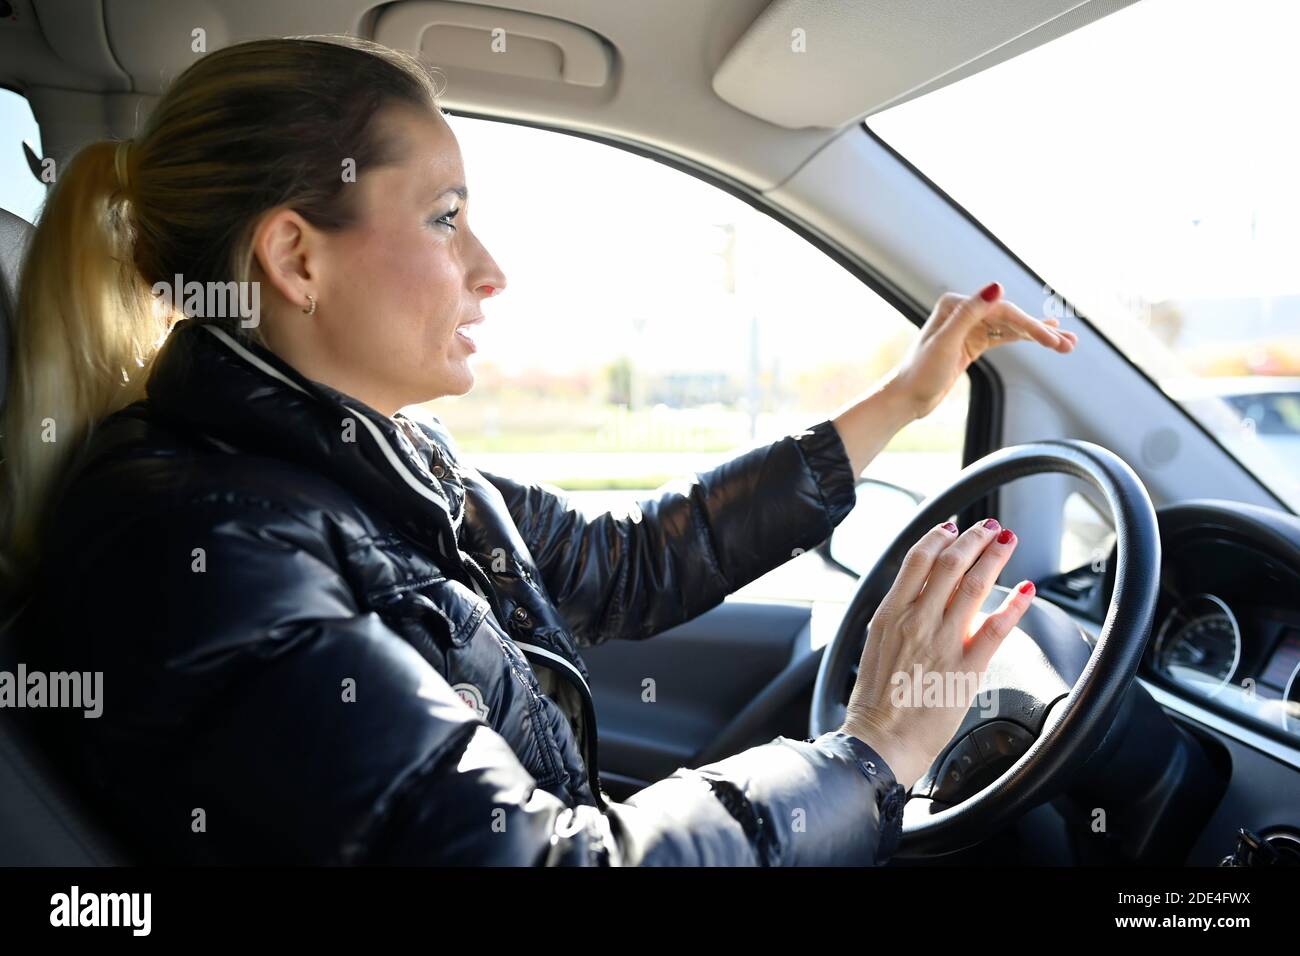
x: 1077, y: 725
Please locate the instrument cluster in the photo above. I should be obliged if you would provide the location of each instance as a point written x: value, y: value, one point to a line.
x: 1227, y: 630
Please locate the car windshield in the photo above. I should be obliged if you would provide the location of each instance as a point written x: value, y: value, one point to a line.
x: 1146, y: 167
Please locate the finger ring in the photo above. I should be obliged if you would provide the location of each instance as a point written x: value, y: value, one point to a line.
x: 995, y: 333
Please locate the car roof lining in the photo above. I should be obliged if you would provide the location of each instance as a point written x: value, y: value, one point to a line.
x: 681, y: 76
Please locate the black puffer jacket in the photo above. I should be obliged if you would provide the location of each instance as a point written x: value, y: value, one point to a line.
x: 324, y: 638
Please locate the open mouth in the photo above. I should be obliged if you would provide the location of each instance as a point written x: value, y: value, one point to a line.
x: 463, y: 333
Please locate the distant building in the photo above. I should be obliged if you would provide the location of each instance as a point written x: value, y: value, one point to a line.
x: 689, y: 389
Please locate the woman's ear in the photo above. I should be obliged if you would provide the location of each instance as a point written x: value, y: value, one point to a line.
x: 286, y: 247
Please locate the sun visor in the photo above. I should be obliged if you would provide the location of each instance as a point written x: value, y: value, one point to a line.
x: 828, y: 63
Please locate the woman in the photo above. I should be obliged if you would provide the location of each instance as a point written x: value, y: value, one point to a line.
x: 323, y: 637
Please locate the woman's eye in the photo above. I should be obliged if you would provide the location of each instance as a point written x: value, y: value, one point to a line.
x: 444, y: 220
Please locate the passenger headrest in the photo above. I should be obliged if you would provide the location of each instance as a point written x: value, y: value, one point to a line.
x: 14, y: 235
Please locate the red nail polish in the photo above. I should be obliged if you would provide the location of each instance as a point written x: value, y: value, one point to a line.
x: 949, y: 526
x: 992, y: 524
x: 1027, y: 587
x: 991, y: 291
x: 1005, y: 536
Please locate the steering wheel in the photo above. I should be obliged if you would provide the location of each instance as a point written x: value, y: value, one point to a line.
x: 1051, y: 695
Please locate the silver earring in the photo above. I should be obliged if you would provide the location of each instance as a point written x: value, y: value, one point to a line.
x: 312, y: 310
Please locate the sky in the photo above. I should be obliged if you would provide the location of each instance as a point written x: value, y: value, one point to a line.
x: 1153, y: 153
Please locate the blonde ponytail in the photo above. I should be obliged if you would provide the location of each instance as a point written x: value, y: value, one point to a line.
x: 85, y: 335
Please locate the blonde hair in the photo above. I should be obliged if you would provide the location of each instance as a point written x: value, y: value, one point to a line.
x: 247, y: 128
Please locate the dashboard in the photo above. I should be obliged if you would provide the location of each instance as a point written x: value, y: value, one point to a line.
x: 1226, y: 631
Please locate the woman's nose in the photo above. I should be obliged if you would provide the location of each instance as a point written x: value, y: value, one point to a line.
x: 490, y: 280
x: 488, y: 277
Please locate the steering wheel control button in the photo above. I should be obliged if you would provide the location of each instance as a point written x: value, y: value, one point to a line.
x: 999, y: 740
x: 962, y: 762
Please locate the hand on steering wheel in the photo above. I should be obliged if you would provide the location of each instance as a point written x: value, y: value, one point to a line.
x: 1053, y: 691
x: 925, y: 652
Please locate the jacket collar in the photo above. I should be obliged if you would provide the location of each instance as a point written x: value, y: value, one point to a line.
x: 246, y: 396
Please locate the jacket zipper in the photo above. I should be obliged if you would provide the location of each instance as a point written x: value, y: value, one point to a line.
x: 549, y: 659
x: 543, y: 656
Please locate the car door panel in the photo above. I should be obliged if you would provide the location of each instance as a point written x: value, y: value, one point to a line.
x: 663, y: 702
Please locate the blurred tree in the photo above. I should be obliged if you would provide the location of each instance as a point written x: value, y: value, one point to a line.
x: 618, y: 379
x: 1166, y: 322
x: 834, y: 382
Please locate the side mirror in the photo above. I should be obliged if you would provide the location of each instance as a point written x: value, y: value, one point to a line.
x: 881, y: 511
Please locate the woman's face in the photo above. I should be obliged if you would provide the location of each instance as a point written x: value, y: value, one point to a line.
x: 397, y: 291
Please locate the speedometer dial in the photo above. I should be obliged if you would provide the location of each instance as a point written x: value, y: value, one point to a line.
x: 1199, y: 645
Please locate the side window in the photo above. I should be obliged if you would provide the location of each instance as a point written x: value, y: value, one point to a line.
x: 655, y: 326
x: 20, y: 192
